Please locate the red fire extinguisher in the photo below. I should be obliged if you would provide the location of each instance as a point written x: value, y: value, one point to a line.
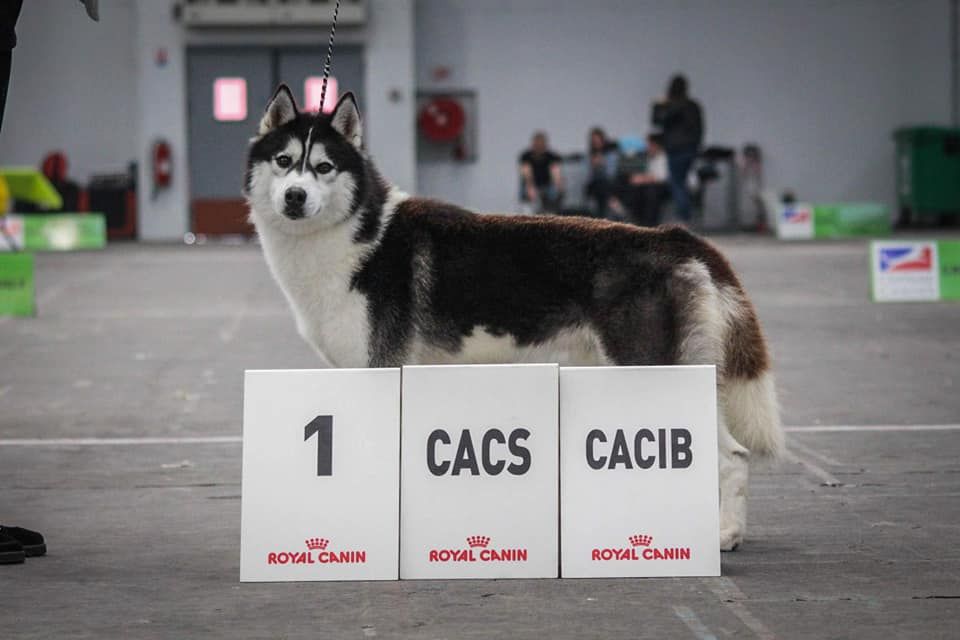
x: 161, y: 165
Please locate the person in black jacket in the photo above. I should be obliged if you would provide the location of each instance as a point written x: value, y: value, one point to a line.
x: 681, y: 121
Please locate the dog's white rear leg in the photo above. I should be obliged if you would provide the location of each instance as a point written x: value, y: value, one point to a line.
x: 734, y: 474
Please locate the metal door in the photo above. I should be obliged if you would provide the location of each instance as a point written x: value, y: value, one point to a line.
x: 295, y: 66
x: 218, y: 145
x: 218, y: 140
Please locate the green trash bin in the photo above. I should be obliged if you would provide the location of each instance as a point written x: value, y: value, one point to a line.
x: 928, y: 172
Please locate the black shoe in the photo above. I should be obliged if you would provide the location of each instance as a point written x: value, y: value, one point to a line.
x: 11, y: 551
x: 31, y: 541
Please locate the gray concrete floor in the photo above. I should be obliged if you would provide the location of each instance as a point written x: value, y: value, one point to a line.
x: 854, y: 536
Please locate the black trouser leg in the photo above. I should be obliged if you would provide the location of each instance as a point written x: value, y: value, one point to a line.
x: 6, y: 58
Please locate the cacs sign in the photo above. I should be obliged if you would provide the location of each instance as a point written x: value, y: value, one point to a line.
x: 638, y: 472
x: 321, y: 458
x: 479, y: 454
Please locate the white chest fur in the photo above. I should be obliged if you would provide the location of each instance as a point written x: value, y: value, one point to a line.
x: 314, y: 272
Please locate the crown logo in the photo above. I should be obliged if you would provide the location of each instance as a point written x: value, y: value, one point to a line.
x: 640, y: 540
x: 478, y: 541
x: 317, y: 543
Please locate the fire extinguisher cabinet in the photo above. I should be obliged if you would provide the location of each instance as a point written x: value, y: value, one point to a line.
x: 928, y: 172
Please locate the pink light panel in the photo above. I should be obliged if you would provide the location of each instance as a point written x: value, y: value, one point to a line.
x: 230, y: 99
x: 312, y: 88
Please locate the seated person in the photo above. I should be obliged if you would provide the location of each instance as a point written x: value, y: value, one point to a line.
x: 540, y: 175
x: 602, y: 157
x: 641, y: 186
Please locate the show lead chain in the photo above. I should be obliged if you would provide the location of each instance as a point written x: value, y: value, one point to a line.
x: 326, y: 65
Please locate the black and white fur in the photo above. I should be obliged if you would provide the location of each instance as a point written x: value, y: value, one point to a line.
x: 377, y: 278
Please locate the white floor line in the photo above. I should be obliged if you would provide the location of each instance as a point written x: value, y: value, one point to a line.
x: 89, y: 442
x: 823, y: 428
x: 795, y: 445
x: 694, y: 623
x: 730, y: 594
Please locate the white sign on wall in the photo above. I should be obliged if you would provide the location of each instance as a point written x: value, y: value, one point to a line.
x: 479, y: 493
x: 795, y: 221
x: 321, y: 451
x: 904, y: 271
x: 638, y: 465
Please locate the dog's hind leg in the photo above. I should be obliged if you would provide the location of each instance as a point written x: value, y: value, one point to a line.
x: 734, y: 476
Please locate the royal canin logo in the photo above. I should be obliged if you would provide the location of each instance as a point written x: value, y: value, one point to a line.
x: 906, y: 259
x: 647, y: 552
x: 477, y: 551
x: 317, y: 553
x: 796, y: 215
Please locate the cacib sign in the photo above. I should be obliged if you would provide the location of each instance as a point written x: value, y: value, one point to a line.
x: 638, y: 472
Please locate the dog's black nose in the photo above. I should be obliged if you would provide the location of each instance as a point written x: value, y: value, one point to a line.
x: 295, y: 197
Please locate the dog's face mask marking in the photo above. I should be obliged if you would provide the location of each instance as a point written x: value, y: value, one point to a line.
x: 304, y: 169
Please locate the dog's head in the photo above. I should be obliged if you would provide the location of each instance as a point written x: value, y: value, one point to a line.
x: 304, y: 169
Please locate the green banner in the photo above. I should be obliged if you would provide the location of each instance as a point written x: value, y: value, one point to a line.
x: 850, y: 220
x: 948, y: 252
x: 53, y: 232
x: 16, y: 284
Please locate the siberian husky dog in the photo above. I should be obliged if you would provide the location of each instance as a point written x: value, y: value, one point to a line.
x: 377, y: 278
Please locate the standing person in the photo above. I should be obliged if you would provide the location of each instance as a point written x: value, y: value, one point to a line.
x: 17, y: 543
x: 601, y: 170
x: 541, y: 176
x: 681, y: 120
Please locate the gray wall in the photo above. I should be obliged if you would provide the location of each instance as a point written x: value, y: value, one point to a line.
x: 95, y: 91
x: 819, y: 84
x: 73, y: 87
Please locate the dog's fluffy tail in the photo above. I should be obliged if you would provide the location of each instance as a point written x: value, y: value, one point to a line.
x: 721, y: 327
x: 748, y: 396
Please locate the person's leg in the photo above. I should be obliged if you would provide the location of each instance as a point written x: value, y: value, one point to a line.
x: 650, y: 198
x: 6, y: 57
x: 603, y: 193
x: 679, y: 164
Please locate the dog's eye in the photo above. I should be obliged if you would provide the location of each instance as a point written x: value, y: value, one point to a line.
x: 283, y: 160
x: 324, y: 167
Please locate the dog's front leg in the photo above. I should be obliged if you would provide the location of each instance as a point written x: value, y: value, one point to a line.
x: 734, y: 474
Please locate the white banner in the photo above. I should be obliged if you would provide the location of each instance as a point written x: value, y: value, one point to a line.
x: 638, y: 465
x: 795, y: 221
x: 11, y: 233
x: 479, y: 472
x: 321, y: 456
x: 904, y: 271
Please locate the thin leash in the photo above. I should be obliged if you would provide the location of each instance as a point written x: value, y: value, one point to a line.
x: 326, y: 65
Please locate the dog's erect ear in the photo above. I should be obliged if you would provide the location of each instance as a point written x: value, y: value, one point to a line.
x: 345, y: 120
x: 281, y: 110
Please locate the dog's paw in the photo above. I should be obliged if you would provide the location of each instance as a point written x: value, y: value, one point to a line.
x: 730, y: 539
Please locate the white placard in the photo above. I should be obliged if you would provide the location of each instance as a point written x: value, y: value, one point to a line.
x: 479, y: 468
x: 321, y: 451
x: 11, y: 233
x: 795, y: 221
x: 904, y: 271
x: 638, y: 463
